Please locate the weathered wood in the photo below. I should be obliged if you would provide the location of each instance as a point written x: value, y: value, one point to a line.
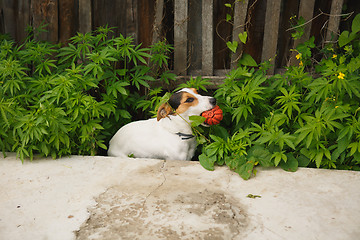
x: 180, y: 36
x: 255, y: 29
x: 46, y: 12
x: 145, y: 32
x: 157, y: 26
x: 2, y: 19
x: 222, y: 34
x: 8, y: 19
x: 291, y: 9
x: 113, y: 13
x: 22, y: 19
x: 66, y: 20
x: 131, y: 18
x: 199, y: 38
x: 334, y: 21
x: 207, y: 63
x: 85, y: 16
x: 194, y: 36
x: 240, y: 11
x: 306, y: 10
x: 271, y: 30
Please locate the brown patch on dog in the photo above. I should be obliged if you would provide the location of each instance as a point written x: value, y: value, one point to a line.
x: 194, y: 90
x: 187, y: 101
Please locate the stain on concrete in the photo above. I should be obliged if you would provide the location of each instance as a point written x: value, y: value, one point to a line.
x: 168, y: 207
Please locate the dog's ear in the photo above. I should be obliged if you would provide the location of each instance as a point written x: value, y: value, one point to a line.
x: 163, y: 111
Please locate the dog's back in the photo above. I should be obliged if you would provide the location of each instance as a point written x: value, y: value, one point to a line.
x: 150, y: 139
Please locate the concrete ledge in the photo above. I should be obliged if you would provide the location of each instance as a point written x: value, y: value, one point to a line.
x: 112, y: 198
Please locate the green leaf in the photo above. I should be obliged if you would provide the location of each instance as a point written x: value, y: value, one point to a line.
x: 303, y: 161
x: 260, y: 154
x: 228, y: 17
x: 318, y: 158
x: 247, y: 60
x: 232, y: 46
x: 121, y: 72
x: 232, y: 162
x: 291, y: 164
x: 355, y: 27
x: 245, y: 170
x: 346, y: 37
x: 278, y: 157
x: 207, y: 162
x: 354, y: 147
x: 220, y: 131
x: 243, y: 37
x: 196, y: 120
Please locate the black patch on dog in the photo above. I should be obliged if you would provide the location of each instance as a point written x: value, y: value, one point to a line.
x: 175, y: 100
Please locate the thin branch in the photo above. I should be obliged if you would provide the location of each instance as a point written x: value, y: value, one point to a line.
x: 320, y: 14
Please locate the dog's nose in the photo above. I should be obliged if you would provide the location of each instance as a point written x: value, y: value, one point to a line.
x: 212, y: 101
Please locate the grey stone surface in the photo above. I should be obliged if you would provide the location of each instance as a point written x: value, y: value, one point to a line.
x: 113, y: 198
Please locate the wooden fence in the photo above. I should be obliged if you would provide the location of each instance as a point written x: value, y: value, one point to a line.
x: 197, y: 28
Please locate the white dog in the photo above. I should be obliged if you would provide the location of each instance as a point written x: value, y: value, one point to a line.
x: 169, y: 136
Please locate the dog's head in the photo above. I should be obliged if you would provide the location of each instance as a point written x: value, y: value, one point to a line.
x: 186, y: 102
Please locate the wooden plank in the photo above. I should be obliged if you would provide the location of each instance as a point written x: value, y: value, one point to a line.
x: 15, y: 18
x: 46, y: 12
x: 21, y: 19
x: 2, y: 21
x: 131, y: 18
x: 157, y: 26
x: 334, y: 21
x: 146, y: 16
x: 113, y: 14
x: 222, y: 34
x: 271, y: 31
x: 207, y: 62
x: 291, y: 9
x: 240, y: 12
x: 194, y: 36
x: 306, y: 10
x: 180, y: 36
x: 85, y: 16
x: 8, y: 17
x: 66, y: 20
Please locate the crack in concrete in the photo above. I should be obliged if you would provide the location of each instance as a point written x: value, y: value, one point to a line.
x: 159, y: 186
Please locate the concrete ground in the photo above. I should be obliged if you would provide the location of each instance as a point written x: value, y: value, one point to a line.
x: 114, y: 198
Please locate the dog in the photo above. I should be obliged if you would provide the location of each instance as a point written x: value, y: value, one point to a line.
x: 169, y: 136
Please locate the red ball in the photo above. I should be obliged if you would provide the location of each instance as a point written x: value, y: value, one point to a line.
x: 213, y: 116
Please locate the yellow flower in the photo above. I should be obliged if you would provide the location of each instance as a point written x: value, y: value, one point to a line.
x: 301, y: 63
x: 298, y: 56
x: 341, y: 75
x: 334, y: 56
x: 336, y: 106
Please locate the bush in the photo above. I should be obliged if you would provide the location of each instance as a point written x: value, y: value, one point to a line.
x: 70, y: 100
x: 291, y: 120
x: 61, y: 100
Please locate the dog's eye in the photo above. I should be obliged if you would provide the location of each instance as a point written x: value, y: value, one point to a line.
x: 189, y: 100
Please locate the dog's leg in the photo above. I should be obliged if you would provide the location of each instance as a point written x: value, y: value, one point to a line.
x: 191, y: 152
